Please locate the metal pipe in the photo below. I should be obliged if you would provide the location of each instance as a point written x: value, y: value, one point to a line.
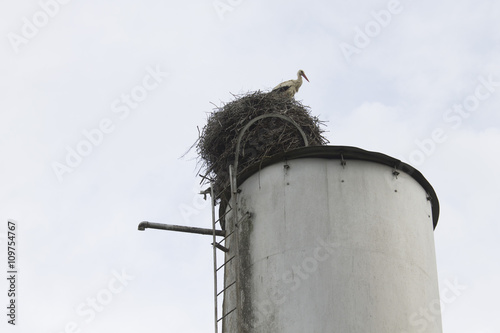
x: 172, y: 227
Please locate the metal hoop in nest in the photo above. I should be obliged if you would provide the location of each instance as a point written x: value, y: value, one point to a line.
x: 251, y: 122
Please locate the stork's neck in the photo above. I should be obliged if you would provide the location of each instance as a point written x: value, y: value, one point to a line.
x: 299, y: 78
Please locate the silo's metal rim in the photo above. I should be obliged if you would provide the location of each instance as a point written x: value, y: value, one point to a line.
x: 348, y: 153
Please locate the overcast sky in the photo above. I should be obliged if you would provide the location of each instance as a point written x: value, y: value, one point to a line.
x: 100, y: 99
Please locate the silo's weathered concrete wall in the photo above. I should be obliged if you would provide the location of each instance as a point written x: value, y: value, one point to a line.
x: 333, y: 248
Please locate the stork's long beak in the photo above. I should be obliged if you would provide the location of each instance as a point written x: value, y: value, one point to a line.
x: 305, y: 77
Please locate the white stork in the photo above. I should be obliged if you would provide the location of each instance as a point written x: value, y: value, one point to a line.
x: 291, y: 87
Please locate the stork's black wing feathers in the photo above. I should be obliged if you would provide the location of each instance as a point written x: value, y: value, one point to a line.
x: 281, y: 89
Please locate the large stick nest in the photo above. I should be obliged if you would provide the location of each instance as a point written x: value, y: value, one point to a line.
x: 267, y: 137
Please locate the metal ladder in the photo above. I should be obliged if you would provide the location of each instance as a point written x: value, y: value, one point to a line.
x: 235, y: 223
x: 216, y: 246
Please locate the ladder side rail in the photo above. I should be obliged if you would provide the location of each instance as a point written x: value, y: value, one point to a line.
x: 214, y: 249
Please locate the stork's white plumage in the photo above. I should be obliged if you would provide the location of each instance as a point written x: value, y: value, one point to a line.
x: 291, y: 87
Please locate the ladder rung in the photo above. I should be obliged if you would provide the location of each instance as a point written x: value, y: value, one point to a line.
x: 220, y: 292
x: 221, y: 241
x: 226, y: 237
x: 244, y: 217
x: 223, y: 215
x: 226, y: 315
x: 224, y: 264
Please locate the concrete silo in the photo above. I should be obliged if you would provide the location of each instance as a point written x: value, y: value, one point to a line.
x: 330, y: 239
